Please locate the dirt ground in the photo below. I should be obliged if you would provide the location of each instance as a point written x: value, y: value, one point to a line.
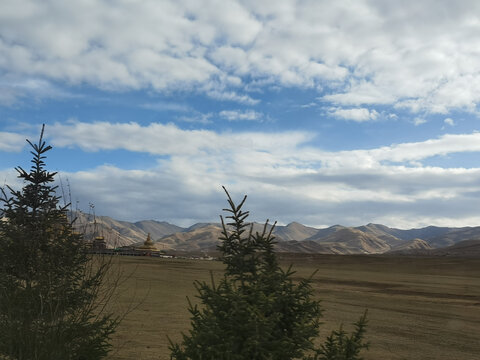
x: 418, y: 308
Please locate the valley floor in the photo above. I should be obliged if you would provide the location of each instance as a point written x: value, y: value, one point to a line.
x: 418, y: 308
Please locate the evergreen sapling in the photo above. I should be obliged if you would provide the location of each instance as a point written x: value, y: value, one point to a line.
x: 257, y: 311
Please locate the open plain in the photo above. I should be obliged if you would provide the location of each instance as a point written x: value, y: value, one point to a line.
x: 418, y: 308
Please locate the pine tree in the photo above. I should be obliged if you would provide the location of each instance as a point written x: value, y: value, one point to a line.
x: 257, y: 311
x: 49, y: 285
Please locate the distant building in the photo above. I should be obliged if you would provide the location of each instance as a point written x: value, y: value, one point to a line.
x: 148, y: 244
x: 99, y: 243
x: 148, y: 248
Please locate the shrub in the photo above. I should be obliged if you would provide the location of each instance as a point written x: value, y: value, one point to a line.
x: 256, y: 311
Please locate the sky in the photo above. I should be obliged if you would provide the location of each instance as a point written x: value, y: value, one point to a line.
x: 322, y: 112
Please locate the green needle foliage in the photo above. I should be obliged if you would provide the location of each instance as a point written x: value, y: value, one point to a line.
x: 50, y: 289
x: 340, y: 346
x: 257, y: 311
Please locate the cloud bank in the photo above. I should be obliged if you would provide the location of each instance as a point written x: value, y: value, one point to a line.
x: 285, y: 178
x: 420, y: 56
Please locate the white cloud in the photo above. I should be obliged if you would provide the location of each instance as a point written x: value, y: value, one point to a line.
x: 403, y: 154
x: 284, y: 177
x: 309, y: 105
x: 166, y: 106
x: 196, y: 117
x: 220, y: 94
x: 13, y: 88
x: 446, y: 144
x: 419, y: 121
x: 366, y: 53
x: 188, y: 188
x: 356, y: 55
x: 9, y: 177
x: 160, y: 139
x: 356, y: 114
x: 11, y: 142
x: 449, y: 121
x: 238, y: 115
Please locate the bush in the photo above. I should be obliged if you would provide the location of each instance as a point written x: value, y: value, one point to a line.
x: 257, y: 311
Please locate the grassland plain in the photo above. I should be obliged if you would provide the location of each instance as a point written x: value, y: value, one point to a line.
x: 419, y: 308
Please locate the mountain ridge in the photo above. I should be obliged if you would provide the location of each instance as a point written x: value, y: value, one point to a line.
x: 293, y: 237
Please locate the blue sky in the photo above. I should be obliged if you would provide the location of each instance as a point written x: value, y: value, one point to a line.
x: 344, y: 112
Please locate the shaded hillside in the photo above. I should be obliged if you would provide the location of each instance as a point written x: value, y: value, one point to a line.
x: 454, y: 235
x: 467, y: 248
x: 435, y: 236
x: 422, y: 233
x: 412, y: 246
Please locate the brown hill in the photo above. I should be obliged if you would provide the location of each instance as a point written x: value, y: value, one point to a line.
x: 381, y: 232
x: 295, y: 237
x: 306, y: 246
x: 121, y: 233
x: 203, y: 238
x: 322, y: 233
x: 116, y: 233
x: 157, y: 229
x: 353, y: 241
x: 198, y: 226
x: 294, y: 231
x: 407, y: 235
x: 200, y: 237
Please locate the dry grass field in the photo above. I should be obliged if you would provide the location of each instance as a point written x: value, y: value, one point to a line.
x: 419, y: 308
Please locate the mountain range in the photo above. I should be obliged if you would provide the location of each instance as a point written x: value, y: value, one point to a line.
x: 294, y: 237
